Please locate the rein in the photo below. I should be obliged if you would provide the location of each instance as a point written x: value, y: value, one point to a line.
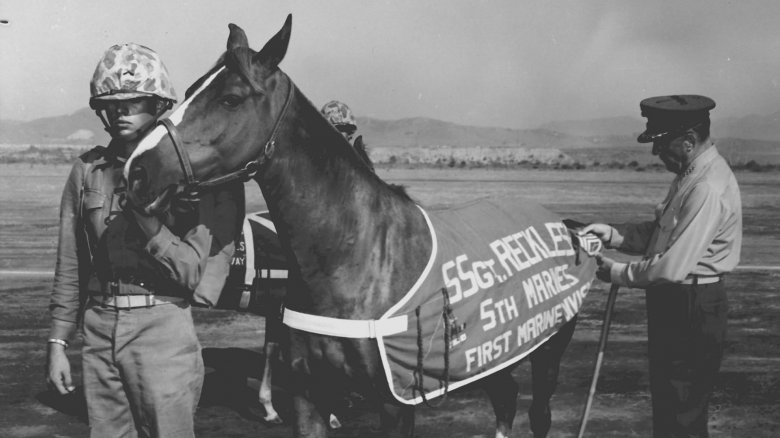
x: 245, y: 173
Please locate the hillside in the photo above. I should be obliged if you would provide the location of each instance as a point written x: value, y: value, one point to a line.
x: 424, y: 132
x: 429, y: 141
x: 81, y: 127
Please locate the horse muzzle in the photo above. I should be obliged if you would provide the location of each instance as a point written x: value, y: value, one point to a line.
x: 145, y: 199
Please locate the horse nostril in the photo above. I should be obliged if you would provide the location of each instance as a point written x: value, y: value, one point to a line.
x: 138, y: 179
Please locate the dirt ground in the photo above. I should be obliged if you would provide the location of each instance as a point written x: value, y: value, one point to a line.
x: 746, y: 402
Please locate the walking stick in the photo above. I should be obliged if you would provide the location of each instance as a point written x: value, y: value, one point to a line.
x: 600, y: 356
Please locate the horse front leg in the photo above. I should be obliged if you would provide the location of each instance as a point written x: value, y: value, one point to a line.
x: 545, y: 367
x: 502, y: 391
x: 396, y: 420
x: 309, y: 422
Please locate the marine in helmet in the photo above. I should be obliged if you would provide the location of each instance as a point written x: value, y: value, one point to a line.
x: 130, y: 278
x: 130, y: 90
x: 340, y: 116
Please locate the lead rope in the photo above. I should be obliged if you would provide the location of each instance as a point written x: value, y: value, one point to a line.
x: 418, y: 386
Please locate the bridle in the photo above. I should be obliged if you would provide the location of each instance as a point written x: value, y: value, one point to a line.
x: 192, y: 185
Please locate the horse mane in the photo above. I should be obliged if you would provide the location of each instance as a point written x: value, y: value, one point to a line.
x: 337, y: 148
x: 198, y: 82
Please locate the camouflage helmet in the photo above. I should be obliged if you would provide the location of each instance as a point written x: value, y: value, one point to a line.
x: 127, y: 71
x: 338, y: 114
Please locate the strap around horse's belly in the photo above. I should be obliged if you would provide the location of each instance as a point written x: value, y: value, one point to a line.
x: 344, y: 328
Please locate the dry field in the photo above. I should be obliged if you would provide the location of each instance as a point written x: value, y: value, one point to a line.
x: 747, y: 398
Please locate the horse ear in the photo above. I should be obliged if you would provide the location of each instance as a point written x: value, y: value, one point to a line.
x: 274, y: 50
x: 237, y: 37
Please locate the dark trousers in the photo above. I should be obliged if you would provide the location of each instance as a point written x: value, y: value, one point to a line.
x: 686, y: 327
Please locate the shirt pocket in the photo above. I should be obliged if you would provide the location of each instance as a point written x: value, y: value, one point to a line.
x: 93, y: 206
x: 666, y: 224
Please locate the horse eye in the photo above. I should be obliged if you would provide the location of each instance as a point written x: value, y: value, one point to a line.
x: 231, y: 101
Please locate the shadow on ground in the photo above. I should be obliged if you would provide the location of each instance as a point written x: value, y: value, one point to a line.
x: 73, y: 405
x: 226, y: 383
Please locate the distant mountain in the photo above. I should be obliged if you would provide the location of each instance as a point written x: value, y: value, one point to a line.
x: 744, y: 137
x: 752, y: 127
x: 596, y: 128
x: 424, y: 132
x: 82, y: 127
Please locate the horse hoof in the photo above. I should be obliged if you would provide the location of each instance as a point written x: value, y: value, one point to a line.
x: 334, y: 422
x: 274, y: 419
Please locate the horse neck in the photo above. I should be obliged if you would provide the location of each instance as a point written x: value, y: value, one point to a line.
x: 359, y: 245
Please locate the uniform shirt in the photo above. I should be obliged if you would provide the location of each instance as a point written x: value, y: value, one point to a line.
x: 197, y: 261
x: 697, y: 231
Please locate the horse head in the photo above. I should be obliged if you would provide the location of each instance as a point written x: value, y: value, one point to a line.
x: 245, y: 119
x: 214, y: 131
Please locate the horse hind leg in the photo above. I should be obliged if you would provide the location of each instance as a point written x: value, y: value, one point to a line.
x: 502, y: 390
x: 264, y: 395
x: 545, y: 367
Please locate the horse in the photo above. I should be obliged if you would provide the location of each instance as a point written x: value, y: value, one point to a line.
x: 256, y: 283
x: 356, y: 244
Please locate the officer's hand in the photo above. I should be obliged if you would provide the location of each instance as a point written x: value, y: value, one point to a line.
x: 603, y: 272
x: 602, y: 231
x: 58, y: 369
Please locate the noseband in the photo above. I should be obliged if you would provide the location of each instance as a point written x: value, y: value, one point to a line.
x: 192, y: 185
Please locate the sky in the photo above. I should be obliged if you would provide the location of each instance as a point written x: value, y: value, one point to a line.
x: 505, y: 63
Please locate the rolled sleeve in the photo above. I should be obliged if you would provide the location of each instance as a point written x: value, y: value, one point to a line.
x: 183, y: 259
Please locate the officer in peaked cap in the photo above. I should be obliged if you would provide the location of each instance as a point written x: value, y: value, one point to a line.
x: 693, y: 241
x: 668, y: 115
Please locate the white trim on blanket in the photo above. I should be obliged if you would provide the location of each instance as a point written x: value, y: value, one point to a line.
x: 366, y: 328
x: 425, y: 272
x: 453, y: 385
x: 249, y: 250
x: 262, y: 221
x: 344, y: 328
x: 275, y: 274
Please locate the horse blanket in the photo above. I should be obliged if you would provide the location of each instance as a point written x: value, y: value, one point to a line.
x: 258, y: 269
x: 501, y: 280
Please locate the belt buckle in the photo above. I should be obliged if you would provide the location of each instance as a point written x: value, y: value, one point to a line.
x: 113, y: 289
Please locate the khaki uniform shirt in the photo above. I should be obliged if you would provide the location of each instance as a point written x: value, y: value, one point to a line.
x: 697, y: 231
x: 197, y: 261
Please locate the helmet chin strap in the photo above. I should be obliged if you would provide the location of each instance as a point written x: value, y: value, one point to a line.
x: 161, y: 109
x: 106, y: 125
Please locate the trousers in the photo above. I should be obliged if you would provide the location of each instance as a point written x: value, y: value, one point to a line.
x: 686, y: 328
x: 142, y: 371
